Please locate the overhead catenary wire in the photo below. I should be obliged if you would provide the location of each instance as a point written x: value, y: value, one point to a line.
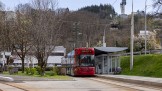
x: 114, y: 2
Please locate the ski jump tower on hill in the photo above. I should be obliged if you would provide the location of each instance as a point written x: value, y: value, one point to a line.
x: 122, y: 6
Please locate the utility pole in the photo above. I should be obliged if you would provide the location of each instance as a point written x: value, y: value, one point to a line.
x: 104, y: 43
x: 132, y: 39
x: 75, y: 34
x: 145, y: 27
x: 104, y: 37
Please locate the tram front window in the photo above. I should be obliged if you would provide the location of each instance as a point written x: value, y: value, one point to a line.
x: 86, y: 60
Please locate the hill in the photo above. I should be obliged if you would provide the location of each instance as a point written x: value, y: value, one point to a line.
x: 104, y: 11
x: 144, y: 65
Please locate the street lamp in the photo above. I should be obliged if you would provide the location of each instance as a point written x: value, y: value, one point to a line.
x: 145, y: 27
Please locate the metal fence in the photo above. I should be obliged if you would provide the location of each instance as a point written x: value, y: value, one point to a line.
x: 159, y: 51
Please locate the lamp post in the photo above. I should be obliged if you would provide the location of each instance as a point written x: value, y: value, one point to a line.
x: 145, y: 27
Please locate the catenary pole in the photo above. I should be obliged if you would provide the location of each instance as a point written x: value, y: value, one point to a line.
x: 145, y: 27
x: 132, y: 39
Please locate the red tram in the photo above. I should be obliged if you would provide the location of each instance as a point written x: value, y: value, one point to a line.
x: 80, y: 62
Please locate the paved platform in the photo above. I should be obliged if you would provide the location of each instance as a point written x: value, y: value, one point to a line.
x: 134, y: 79
x: 5, y: 78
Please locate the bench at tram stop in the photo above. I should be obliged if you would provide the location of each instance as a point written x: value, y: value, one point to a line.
x: 116, y: 70
x: 13, y: 70
x: 1, y: 68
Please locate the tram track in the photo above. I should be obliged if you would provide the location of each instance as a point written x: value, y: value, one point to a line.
x: 106, y: 82
x: 127, y: 86
x: 15, y: 86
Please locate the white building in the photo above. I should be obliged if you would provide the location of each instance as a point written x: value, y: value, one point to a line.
x: 10, y: 15
x: 3, y: 58
x: 148, y: 34
x: 57, y: 54
x: 31, y: 61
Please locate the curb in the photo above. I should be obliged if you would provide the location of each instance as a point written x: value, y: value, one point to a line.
x: 148, y: 83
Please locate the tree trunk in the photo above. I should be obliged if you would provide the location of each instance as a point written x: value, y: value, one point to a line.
x: 43, y: 71
x: 39, y: 63
x: 22, y: 65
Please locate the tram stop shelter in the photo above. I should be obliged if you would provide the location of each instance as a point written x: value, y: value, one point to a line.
x: 107, y: 59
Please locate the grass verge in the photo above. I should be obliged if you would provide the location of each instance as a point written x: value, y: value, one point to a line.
x: 144, y: 65
x: 47, y: 75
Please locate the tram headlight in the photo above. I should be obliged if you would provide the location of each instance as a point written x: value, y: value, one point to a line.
x: 76, y: 69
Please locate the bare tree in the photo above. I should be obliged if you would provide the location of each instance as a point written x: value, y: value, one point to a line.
x: 157, y: 5
x: 2, y: 6
x: 21, y: 36
x: 45, y: 26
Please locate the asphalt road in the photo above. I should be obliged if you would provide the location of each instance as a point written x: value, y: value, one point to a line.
x: 79, y: 84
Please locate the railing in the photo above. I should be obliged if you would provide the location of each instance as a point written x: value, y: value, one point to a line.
x: 158, y: 51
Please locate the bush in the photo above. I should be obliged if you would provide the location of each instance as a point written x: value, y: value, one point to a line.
x: 30, y: 71
x: 27, y: 70
x: 33, y: 71
x: 54, y: 71
x: 49, y: 68
x: 38, y: 69
x: 59, y: 70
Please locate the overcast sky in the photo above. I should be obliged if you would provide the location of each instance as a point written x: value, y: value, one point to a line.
x: 75, y: 4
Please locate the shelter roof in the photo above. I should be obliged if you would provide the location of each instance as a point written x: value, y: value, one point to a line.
x: 106, y: 50
x: 102, y: 50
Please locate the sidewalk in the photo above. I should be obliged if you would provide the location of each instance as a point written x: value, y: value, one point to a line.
x: 134, y: 79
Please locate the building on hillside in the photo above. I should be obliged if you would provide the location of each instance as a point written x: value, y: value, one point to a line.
x: 55, y: 58
x: 148, y: 34
x: 152, y: 40
x: 62, y: 10
x: 10, y: 15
